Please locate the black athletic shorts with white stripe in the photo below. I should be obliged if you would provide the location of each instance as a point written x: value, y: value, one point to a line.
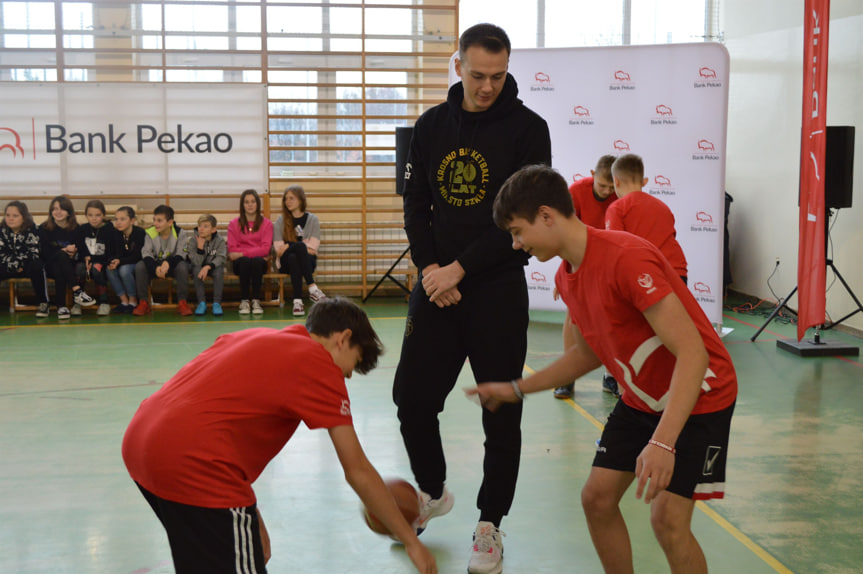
x: 210, y: 540
x: 702, y: 449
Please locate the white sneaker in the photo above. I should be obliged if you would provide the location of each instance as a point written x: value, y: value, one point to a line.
x: 76, y: 310
x: 299, y: 310
x: 104, y: 309
x: 63, y: 313
x: 43, y: 310
x: 486, y: 554
x: 432, y: 507
x: 245, y: 308
x: 256, y: 307
x: 315, y: 294
x: 81, y: 298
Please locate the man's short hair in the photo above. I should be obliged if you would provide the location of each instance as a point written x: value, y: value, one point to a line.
x: 527, y: 190
x: 603, y: 166
x: 209, y: 218
x: 335, y: 314
x: 628, y: 167
x: 490, y: 37
x: 165, y: 210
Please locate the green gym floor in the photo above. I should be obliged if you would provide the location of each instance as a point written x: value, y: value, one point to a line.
x: 67, y: 391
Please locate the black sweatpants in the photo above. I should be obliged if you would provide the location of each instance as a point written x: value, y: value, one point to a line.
x: 488, y: 327
x: 210, y: 540
x: 35, y: 270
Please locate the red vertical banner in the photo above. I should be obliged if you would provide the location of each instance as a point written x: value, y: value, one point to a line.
x: 811, y: 264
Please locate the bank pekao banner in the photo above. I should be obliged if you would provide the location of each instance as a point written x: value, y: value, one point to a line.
x: 131, y: 138
x: 667, y: 103
x: 811, y: 256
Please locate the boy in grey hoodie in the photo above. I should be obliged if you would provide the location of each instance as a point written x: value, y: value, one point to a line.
x: 207, y: 253
x: 163, y: 255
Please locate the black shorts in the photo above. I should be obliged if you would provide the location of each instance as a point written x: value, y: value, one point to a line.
x: 702, y: 449
x: 211, y: 540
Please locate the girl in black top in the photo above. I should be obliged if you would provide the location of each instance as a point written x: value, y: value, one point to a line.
x: 19, y: 251
x: 59, y: 250
x: 93, y: 238
x: 124, y: 251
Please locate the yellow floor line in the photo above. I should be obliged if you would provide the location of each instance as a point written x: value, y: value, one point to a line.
x: 769, y: 559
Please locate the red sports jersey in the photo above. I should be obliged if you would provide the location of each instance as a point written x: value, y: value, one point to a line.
x: 588, y: 208
x: 620, y: 277
x: 643, y: 215
x: 206, y: 435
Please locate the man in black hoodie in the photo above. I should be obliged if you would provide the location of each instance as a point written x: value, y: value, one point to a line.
x: 472, y: 300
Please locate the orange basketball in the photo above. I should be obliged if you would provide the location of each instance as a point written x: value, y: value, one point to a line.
x: 407, y: 500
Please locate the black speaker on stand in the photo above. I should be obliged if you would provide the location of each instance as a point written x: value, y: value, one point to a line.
x: 838, y: 184
x: 403, y: 146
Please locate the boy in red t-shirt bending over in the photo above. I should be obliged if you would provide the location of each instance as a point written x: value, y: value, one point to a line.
x: 633, y: 314
x: 196, y: 445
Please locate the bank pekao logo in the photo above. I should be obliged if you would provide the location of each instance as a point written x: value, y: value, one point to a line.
x: 620, y: 145
x: 663, y: 110
x: 664, y: 116
x: 541, y: 83
x: 538, y: 277
x: 577, y: 176
x: 14, y: 142
x: 661, y: 185
x: 705, y: 150
x: 622, y: 81
x: 580, y: 117
x: 703, y: 217
x: 706, y: 78
x: 701, y: 288
x: 703, y: 223
x: 462, y: 177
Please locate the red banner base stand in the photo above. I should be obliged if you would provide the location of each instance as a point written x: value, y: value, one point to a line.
x: 818, y: 347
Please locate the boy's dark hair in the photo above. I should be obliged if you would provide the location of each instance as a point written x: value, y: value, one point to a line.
x: 603, y: 166
x: 23, y: 210
x: 628, y: 167
x: 490, y: 37
x: 337, y: 314
x: 97, y: 203
x: 129, y: 211
x: 165, y: 210
x: 527, y: 190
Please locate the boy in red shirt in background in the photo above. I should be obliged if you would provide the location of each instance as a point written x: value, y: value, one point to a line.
x: 196, y: 445
x: 633, y: 314
x: 642, y: 214
x: 591, y: 197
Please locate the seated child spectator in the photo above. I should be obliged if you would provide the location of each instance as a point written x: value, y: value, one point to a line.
x: 296, y: 238
x: 207, y: 253
x: 163, y: 255
x: 124, y: 252
x: 59, y: 251
x: 19, y: 251
x: 93, y: 239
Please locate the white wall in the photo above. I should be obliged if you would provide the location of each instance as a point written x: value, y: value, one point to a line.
x: 765, y: 40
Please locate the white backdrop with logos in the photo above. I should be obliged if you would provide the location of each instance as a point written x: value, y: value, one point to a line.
x: 666, y: 103
x: 132, y: 138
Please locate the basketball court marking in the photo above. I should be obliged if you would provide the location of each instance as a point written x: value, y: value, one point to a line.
x: 768, y: 558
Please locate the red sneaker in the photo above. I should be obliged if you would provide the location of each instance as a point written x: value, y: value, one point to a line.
x: 184, y: 309
x: 143, y: 308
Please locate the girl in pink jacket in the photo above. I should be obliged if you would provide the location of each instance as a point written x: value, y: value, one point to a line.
x: 250, y: 238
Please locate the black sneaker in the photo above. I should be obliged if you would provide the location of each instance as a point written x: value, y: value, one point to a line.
x: 565, y: 392
x: 609, y: 385
x: 119, y: 309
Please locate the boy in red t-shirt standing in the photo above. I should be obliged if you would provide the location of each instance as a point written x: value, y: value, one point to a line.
x: 642, y: 214
x: 633, y: 314
x: 196, y: 445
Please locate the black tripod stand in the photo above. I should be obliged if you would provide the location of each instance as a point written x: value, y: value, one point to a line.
x: 388, y: 275
x: 817, y: 347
